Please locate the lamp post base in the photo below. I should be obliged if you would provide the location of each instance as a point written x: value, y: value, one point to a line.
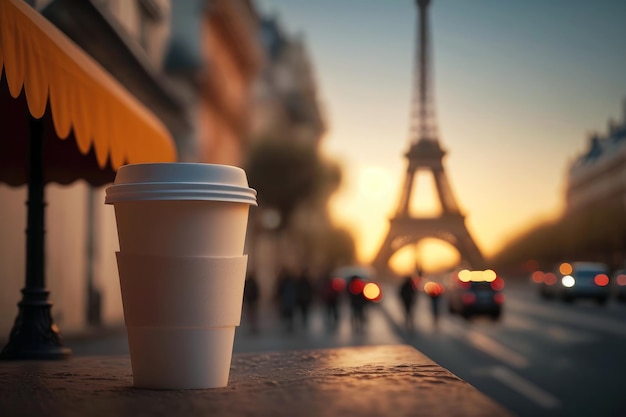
x: 34, y: 335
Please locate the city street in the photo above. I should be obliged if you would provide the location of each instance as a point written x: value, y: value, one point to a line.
x: 542, y: 358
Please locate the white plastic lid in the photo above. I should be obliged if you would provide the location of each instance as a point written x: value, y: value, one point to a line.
x: 180, y: 181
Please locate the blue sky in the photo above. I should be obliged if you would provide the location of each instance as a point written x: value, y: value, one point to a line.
x: 518, y: 86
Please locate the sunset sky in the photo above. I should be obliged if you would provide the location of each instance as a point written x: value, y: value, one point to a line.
x: 519, y: 85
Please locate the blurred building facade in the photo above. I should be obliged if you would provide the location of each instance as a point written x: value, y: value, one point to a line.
x: 286, y: 102
x: 598, y: 175
x: 234, y: 56
x: 287, y: 108
x: 192, y: 63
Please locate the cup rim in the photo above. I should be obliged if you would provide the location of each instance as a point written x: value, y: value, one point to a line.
x: 180, y: 181
x: 180, y: 191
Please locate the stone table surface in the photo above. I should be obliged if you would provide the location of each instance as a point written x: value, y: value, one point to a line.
x: 353, y: 381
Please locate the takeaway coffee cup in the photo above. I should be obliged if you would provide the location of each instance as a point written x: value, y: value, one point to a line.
x: 181, y: 229
x: 184, y: 209
x: 180, y: 315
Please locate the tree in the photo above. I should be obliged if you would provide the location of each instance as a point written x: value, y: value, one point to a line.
x: 284, y: 173
x: 595, y: 233
x: 296, y: 181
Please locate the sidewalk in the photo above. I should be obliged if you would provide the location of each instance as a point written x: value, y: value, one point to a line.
x: 307, y: 372
x: 365, y: 381
x: 271, y: 337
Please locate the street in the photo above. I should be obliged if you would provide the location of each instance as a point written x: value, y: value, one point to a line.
x: 543, y: 358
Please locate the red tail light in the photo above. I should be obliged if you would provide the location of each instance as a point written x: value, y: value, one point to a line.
x: 497, y: 284
x: 338, y: 284
x: 468, y: 298
x: 537, y: 276
x: 549, y: 278
x: 356, y: 286
x: 498, y: 298
x: 465, y: 285
x: 601, y: 280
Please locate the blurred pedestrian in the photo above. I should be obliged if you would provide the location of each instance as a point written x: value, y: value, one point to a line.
x: 331, y: 291
x: 251, y: 295
x: 304, y: 296
x: 286, y: 299
x: 434, y: 291
x: 408, y: 297
x: 357, y: 303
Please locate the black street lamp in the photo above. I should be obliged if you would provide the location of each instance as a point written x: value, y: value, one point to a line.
x: 34, y: 335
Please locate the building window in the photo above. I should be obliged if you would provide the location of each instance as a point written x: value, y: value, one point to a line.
x: 150, y: 14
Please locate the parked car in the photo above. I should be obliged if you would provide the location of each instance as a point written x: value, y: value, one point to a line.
x: 581, y: 280
x: 619, y: 285
x: 475, y: 292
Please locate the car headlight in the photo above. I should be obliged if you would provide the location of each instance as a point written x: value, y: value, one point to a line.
x: 568, y: 281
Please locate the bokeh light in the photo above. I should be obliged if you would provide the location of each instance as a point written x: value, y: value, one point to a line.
x: 338, y: 284
x: 565, y: 268
x: 497, y: 284
x: 356, y: 286
x: 372, y: 291
x: 537, y: 277
x: 488, y: 275
x: 549, y: 278
x: 601, y: 280
x: 568, y: 281
x: 433, y: 288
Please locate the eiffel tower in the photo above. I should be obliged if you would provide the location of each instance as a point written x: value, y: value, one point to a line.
x: 426, y: 154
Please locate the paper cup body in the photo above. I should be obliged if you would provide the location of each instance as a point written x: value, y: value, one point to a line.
x: 180, y: 358
x: 159, y: 291
x: 182, y: 228
x: 181, y: 209
x: 180, y: 315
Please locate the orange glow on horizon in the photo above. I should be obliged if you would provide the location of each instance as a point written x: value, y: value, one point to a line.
x: 367, y: 218
x: 374, y: 182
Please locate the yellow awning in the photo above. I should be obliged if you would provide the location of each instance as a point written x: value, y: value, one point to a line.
x: 85, y: 102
